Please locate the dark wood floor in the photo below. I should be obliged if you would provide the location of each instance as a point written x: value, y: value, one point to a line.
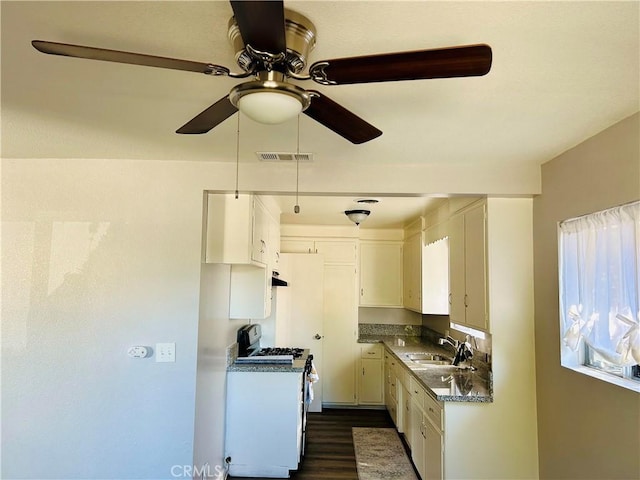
x: 329, y: 454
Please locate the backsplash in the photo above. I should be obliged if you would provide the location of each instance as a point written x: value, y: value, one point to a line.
x: 231, y: 353
x: 389, y: 329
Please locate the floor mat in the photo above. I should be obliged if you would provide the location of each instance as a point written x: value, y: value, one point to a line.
x: 380, y: 455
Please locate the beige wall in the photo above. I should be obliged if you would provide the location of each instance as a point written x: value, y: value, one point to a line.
x: 587, y: 428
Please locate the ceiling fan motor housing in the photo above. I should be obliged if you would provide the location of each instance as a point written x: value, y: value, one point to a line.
x: 300, y: 35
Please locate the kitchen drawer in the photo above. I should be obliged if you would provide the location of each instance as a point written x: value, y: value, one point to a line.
x: 434, y: 411
x: 372, y: 350
x: 403, y: 376
x: 393, y: 366
x: 417, y: 393
x: 393, y: 387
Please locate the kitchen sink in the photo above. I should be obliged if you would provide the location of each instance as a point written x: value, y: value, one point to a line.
x: 428, y: 359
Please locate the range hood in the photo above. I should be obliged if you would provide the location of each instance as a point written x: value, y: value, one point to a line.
x: 276, y: 281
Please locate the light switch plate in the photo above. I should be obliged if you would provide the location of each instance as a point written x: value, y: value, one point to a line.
x: 165, y: 352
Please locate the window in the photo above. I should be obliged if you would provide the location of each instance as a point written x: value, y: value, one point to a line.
x: 599, y: 294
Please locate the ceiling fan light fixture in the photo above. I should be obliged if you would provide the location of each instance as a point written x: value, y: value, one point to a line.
x: 269, y: 99
x: 357, y: 216
x: 270, y: 107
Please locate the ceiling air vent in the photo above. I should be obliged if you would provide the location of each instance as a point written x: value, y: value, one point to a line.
x: 284, y: 156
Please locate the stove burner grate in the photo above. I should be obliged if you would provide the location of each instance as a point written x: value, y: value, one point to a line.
x: 269, y: 351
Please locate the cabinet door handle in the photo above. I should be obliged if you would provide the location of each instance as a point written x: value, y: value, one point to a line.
x: 363, y: 371
x: 449, y: 299
x: 465, y: 300
x: 362, y: 292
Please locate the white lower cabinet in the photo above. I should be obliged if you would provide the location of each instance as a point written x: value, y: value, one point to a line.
x: 433, y: 438
x: 433, y: 452
x: 407, y: 425
x: 391, y: 389
x: 427, y: 448
x: 418, y: 415
x: 371, y: 378
x: 277, y: 415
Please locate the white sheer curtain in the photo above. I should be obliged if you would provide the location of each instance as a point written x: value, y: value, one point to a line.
x: 600, y: 283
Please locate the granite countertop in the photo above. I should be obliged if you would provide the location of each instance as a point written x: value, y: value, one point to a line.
x: 266, y: 367
x: 444, y: 383
x: 297, y: 365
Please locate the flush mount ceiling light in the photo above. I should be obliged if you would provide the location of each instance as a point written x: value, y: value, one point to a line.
x: 357, y: 216
x: 369, y: 201
x: 269, y: 99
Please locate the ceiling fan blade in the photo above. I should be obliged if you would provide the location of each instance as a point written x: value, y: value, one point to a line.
x: 211, y: 117
x: 464, y: 61
x: 337, y: 118
x: 117, y: 56
x: 261, y: 24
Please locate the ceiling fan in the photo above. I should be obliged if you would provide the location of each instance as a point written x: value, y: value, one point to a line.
x: 272, y: 46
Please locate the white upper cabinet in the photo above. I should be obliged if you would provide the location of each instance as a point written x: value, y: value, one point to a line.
x: 240, y: 231
x: 274, y: 245
x: 468, y: 267
x: 435, y: 275
x: 297, y: 245
x: 380, y: 274
x: 260, y: 233
x: 412, y: 272
x: 229, y: 229
x: 243, y: 233
x: 335, y: 251
x: 249, y: 292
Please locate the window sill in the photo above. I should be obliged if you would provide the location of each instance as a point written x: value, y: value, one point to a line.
x: 606, y: 377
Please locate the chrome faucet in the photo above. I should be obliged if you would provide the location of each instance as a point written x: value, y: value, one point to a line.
x: 463, y: 349
x: 451, y: 341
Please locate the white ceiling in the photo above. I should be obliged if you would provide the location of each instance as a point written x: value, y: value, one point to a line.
x: 389, y: 212
x: 562, y: 72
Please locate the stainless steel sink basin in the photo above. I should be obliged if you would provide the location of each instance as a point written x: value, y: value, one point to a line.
x: 428, y: 359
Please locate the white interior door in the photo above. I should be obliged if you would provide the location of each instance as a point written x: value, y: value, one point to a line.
x: 301, y: 305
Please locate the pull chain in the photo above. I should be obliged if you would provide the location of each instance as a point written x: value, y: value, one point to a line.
x: 296, y: 208
x: 237, y: 153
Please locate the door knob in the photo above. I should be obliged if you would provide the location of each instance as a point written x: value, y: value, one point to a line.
x: 317, y: 336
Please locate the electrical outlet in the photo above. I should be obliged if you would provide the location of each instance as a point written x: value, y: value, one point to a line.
x: 165, y: 352
x: 138, y: 351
